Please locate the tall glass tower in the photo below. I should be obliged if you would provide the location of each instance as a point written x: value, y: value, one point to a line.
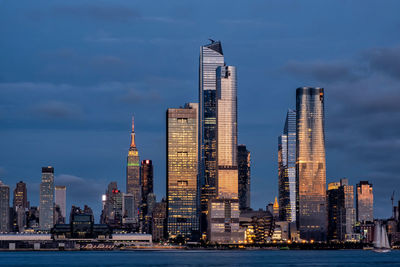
x: 365, y: 202
x: 46, y: 208
x: 211, y: 57
x: 310, y: 164
x: 4, y: 207
x: 244, y: 177
x: 133, y: 185
x: 287, y: 169
x: 182, y: 162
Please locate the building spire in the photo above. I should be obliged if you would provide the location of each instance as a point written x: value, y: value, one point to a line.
x: 133, y: 133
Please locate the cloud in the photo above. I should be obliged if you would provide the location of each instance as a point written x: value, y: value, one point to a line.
x: 323, y: 71
x: 98, y: 12
x: 385, y: 60
x: 134, y: 96
x: 2, y: 171
x: 57, y: 110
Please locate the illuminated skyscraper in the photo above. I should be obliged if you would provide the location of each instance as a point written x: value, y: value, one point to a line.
x: 4, y: 207
x: 20, y: 196
x: 244, y: 177
x: 211, y: 57
x: 46, y: 207
x: 133, y: 185
x: 182, y: 162
x: 365, y: 202
x: 287, y: 169
x: 61, y: 200
x: 146, y: 174
x: 223, y: 226
x: 310, y: 164
x: 112, y: 211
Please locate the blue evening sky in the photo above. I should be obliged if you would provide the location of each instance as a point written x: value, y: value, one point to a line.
x: 72, y: 73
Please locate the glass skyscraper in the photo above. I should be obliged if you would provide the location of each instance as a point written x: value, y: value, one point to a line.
x: 365, y: 202
x: 310, y: 164
x: 46, y: 207
x: 211, y: 57
x: 244, y: 177
x: 287, y: 169
x: 61, y: 200
x: 182, y: 171
x: 4, y: 207
x: 133, y: 185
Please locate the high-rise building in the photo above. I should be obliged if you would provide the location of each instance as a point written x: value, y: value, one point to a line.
x: 61, y: 200
x: 310, y: 164
x: 146, y: 174
x: 287, y: 169
x: 20, y: 206
x: 365, y: 202
x: 4, y: 207
x: 159, y: 224
x: 244, y: 177
x: 112, y: 212
x: 275, y: 209
x: 182, y: 162
x: 223, y: 225
x: 133, y: 185
x: 129, y: 211
x: 211, y: 57
x: 46, y: 207
x: 334, y: 210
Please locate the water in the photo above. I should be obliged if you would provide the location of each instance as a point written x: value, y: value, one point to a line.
x: 201, y: 258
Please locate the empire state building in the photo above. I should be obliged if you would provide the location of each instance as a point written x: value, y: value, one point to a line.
x: 133, y: 185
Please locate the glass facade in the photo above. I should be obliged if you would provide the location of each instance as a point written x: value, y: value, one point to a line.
x: 227, y: 133
x: 61, y: 200
x: 4, y: 207
x: 211, y: 57
x: 182, y: 162
x: 287, y: 169
x: 244, y: 177
x: 310, y: 164
x: 133, y: 184
x: 46, y: 208
x: 365, y: 202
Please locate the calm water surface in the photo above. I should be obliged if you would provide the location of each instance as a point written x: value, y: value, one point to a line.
x: 201, y: 258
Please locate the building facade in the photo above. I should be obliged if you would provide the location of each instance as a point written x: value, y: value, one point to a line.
x: 46, y: 204
x: 146, y: 174
x: 364, y: 202
x: 159, y: 221
x: 244, y: 177
x: 287, y: 169
x: 61, y: 200
x: 4, y: 207
x: 133, y: 184
x: 310, y: 164
x: 20, y: 206
x: 211, y: 57
x: 112, y: 211
x: 182, y: 162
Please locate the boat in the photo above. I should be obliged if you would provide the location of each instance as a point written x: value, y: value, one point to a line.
x: 381, y: 241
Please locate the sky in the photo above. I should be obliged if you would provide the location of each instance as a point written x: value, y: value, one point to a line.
x: 72, y: 74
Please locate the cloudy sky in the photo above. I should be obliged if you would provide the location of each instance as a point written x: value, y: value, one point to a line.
x: 72, y: 73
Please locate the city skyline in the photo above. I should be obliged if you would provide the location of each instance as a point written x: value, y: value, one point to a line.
x: 92, y: 147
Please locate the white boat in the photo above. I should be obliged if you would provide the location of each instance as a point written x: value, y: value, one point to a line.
x: 381, y: 241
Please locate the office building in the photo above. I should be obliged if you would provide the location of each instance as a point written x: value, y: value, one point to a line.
x: 182, y: 162
x: 4, y: 207
x: 287, y: 169
x: 211, y: 57
x: 146, y: 174
x: 46, y: 204
x: 244, y: 177
x: 129, y: 211
x: 133, y: 185
x: 310, y: 164
x: 61, y: 200
x: 364, y: 202
x: 112, y: 212
x: 159, y: 221
x: 20, y: 207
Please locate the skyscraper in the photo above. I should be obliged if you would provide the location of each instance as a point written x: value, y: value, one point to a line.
x: 4, y: 207
x: 182, y: 162
x: 146, y: 174
x: 112, y: 211
x: 365, y: 202
x: 223, y: 225
x: 310, y: 164
x: 46, y: 208
x: 334, y: 210
x: 287, y: 169
x: 61, y: 200
x: 129, y: 211
x: 244, y: 177
x: 133, y: 185
x: 211, y: 57
x: 20, y: 196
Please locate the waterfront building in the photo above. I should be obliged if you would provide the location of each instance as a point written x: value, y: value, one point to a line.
x: 129, y: 211
x: 211, y: 57
x: 20, y: 206
x: 334, y: 210
x: 61, y: 200
x: 112, y: 211
x: 46, y: 204
x: 244, y: 177
x: 133, y: 184
x: 182, y: 162
x: 4, y: 207
x: 364, y: 202
x: 258, y: 226
x: 310, y: 164
x: 159, y: 219
x: 348, y: 219
x: 287, y: 169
